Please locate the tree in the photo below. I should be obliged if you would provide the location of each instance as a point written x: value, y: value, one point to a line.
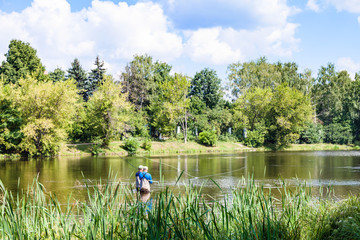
x: 206, y: 86
x: 10, y: 121
x: 138, y: 81
x: 58, y: 75
x: 21, y: 60
x: 47, y: 110
x: 96, y: 76
x: 77, y: 73
x: 171, y: 105
x: 243, y: 76
x: 288, y: 114
x: 329, y: 93
x: 107, y: 112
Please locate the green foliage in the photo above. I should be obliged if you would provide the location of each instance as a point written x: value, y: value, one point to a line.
x: 21, y: 60
x: 47, y: 110
x: 171, y: 106
x: 107, y: 112
x: 256, y: 137
x: 58, y: 75
x: 138, y: 81
x: 131, y: 145
x: 249, y: 211
x: 330, y: 92
x: 96, y: 77
x: 312, y: 133
x: 77, y: 73
x: 208, y: 138
x: 146, y: 145
x: 341, y: 221
x: 206, y: 86
x: 261, y: 74
x: 138, y: 124
x: 10, y: 122
x: 338, y: 133
x: 289, y: 112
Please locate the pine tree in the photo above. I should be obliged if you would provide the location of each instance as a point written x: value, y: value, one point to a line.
x: 96, y: 76
x: 79, y: 74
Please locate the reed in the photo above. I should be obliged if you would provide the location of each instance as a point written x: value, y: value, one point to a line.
x: 113, y: 211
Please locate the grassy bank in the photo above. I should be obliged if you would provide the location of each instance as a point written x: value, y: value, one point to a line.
x: 113, y: 211
x: 166, y: 147
x: 177, y: 147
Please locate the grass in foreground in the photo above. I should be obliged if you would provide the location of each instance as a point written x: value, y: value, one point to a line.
x: 113, y: 211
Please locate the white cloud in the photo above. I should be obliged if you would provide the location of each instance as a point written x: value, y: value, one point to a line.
x: 206, y: 45
x: 115, y: 32
x: 349, y: 65
x: 118, y: 31
x: 313, y: 5
x: 273, y: 36
x: 352, y: 6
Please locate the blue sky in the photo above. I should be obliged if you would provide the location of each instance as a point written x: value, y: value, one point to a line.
x: 188, y: 34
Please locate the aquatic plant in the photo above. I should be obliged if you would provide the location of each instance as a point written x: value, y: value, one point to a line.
x: 113, y: 211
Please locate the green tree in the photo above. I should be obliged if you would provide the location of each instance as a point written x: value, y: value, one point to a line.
x: 329, y: 93
x: 47, y: 110
x: 289, y: 112
x: 21, y: 60
x: 261, y: 74
x: 58, y: 75
x: 77, y: 73
x: 171, y: 106
x: 138, y: 80
x: 107, y: 112
x: 95, y: 78
x: 10, y: 121
x: 206, y: 86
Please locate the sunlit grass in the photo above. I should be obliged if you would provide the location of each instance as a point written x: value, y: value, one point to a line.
x: 113, y: 211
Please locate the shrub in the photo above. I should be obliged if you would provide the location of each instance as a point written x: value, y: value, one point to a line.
x: 313, y: 133
x: 254, y: 138
x: 208, y: 138
x: 146, y: 145
x: 338, y: 133
x: 131, y: 145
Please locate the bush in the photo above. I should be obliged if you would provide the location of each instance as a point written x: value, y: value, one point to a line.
x: 131, y: 145
x: 208, y: 138
x: 146, y: 145
x: 313, y: 133
x: 254, y: 138
x: 228, y: 138
x: 338, y: 133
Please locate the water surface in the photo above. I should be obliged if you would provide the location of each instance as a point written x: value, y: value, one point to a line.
x: 65, y: 175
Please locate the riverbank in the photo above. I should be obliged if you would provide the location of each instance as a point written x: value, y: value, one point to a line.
x: 113, y: 211
x: 177, y: 147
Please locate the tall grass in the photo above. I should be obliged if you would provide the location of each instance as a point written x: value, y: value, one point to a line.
x: 113, y: 211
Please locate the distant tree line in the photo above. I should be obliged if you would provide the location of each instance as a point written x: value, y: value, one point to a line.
x: 271, y: 104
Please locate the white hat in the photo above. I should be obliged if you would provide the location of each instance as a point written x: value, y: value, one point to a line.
x: 144, y: 167
x: 140, y: 167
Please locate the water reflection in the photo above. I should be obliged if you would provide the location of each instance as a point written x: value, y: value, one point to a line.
x: 70, y: 174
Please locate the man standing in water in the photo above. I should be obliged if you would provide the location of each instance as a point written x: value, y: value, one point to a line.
x: 138, y: 176
x: 146, y: 180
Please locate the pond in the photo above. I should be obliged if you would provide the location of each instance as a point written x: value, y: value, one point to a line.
x: 65, y: 175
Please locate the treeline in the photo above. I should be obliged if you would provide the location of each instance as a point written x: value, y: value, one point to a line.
x: 271, y: 104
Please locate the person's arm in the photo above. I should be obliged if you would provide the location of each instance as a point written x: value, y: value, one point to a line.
x: 148, y: 177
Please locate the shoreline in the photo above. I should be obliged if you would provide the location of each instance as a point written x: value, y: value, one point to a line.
x: 179, y: 148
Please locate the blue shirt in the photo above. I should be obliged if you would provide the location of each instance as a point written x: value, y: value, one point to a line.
x: 146, y: 175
